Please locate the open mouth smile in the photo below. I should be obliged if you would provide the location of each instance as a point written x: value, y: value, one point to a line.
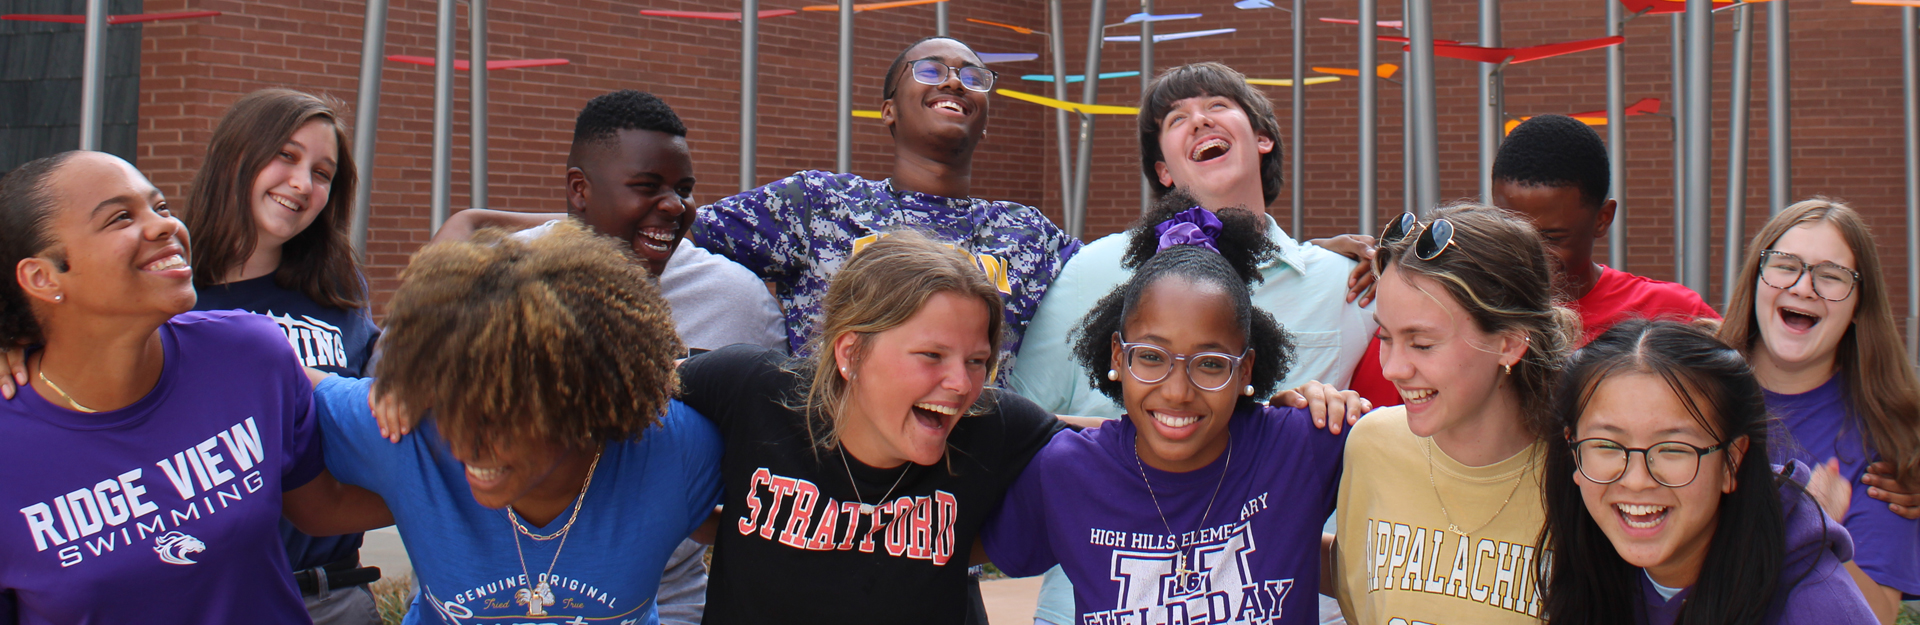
x: 1209, y: 149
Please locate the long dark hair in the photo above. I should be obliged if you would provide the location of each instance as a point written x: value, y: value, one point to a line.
x: 319, y: 261
x: 1592, y: 583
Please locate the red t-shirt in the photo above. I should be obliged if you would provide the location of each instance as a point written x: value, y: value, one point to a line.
x: 1616, y: 296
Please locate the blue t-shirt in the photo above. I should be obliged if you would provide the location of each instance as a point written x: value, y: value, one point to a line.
x: 162, y: 511
x: 647, y: 495
x: 1823, y: 427
x: 1254, y: 558
x: 333, y: 340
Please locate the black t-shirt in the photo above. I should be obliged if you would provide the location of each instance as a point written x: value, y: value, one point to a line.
x: 794, y: 545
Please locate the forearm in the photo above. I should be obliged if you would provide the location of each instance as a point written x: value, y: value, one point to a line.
x: 326, y: 507
x: 1884, y: 601
x: 463, y: 224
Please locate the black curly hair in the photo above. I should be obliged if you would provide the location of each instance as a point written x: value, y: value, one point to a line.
x: 1243, y: 247
x: 1556, y: 151
x: 605, y: 116
x: 26, y: 216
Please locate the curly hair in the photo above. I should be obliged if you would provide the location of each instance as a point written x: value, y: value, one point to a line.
x: 563, y: 338
x: 1208, y: 79
x: 1555, y: 151
x: 26, y: 216
x: 1243, y: 246
x: 608, y: 114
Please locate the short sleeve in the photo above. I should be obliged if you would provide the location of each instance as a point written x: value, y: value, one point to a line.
x: 355, y: 451
x: 763, y: 229
x: 698, y: 444
x: 1028, y: 428
x: 1886, y: 545
x: 303, y: 437
x: 1015, y: 536
x: 724, y: 383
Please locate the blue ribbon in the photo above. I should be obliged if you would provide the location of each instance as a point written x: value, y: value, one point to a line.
x: 1195, y: 226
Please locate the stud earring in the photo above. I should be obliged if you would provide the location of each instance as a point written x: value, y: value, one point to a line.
x: 59, y: 297
x: 1113, y: 376
x: 1248, y: 391
x: 1507, y: 369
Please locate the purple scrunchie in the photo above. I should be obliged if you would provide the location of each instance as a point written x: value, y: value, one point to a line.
x: 1195, y: 226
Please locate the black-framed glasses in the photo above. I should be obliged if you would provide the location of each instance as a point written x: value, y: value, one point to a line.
x: 1672, y: 464
x: 1151, y: 364
x: 1435, y: 237
x: 934, y: 73
x: 1782, y: 270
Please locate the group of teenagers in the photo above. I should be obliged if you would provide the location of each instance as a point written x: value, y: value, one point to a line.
x: 854, y: 390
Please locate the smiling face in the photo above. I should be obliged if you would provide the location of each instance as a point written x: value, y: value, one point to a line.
x: 294, y: 186
x: 125, y: 253
x: 1799, y: 329
x: 507, y: 471
x: 946, y: 117
x: 1209, y: 150
x: 636, y: 188
x: 1567, y: 224
x: 914, y: 382
x: 1446, y: 369
x: 1659, y: 528
x: 1181, y: 427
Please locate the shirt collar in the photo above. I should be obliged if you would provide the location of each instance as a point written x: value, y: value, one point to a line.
x: 1286, y: 250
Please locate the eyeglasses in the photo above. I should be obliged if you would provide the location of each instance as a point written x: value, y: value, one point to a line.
x: 1672, y: 464
x: 935, y: 73
x: 1782, y: 271
x: 1150, y: 364
x: 1434, y: 238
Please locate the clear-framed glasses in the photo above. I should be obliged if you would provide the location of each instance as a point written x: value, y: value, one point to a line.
x: 932, y: 72
x: 1672, y: 464
x: 1782, y: 270
x: 1434, y: 238
x: 1150, y: 364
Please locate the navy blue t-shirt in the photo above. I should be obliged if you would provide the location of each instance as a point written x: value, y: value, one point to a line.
x: 333, y: 340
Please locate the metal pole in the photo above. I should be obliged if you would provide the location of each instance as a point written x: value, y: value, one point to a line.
x: 750, y: 87
x: 1616, y: 141
x: 1295, y: 184
x: 477, y: 99
x: 1146, y: 78
x: 1677, y: 52
x: 1779, y: 126
x: 1408, y: 179
x: 366, y: 115
x: 1089, y: 89
x: 1909, y: 64
x: 1740, y: 98
x: 1492, y: 123
x: 442, y: 116
x: 1426, y: 140
x: 1057, y: 46
x: 1699, y: 114
x: 940, y: 19
x: 1369, y: 87
x: 93, y: 75
x: 843, y: 121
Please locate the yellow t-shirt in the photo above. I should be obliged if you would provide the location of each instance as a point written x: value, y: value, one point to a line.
x: 1398, y: 564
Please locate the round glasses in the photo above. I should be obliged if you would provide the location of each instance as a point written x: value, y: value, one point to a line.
x: 1782, y: 270
x: 935, y: 73
x: 1672, y: 464
x: 1150, y: 364
x: 1434, y: 238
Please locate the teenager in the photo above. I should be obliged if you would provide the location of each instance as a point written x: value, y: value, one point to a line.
x: 155, y: 449
x: 1661, y: 506
x: 552, y: 477
x: 1230, y: 494
x: 1440, y: 506
x: 1812, y: 314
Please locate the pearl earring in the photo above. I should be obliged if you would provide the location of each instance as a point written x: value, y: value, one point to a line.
x: 1113, y: 376
x: 58, y: 297
x: 1248, y: 391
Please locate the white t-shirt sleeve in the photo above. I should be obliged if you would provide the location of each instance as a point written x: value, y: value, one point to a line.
x: 716, y: 302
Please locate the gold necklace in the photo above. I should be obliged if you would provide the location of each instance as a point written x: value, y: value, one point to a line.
x: 63, y: 394
x: 538, y: 596
x: 1181, y: 574
x: 1427, y: 448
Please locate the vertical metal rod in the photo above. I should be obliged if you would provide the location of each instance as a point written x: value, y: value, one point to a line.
x: 1369, y: 89
x: 1089, y: 89
x: 843, y: 120
x: 1676, y: 56
x: 750, y: 88
x: 1408, y: 179
x: 442, y: 116
x: 366, y: 116
x: 1426, y: 139
x: 1492, y: 112
x: 1146, y: 77
x: 1057, y: 47
x: 477, y: 99
x: 93, y: 76
x: 1297, y: 178
x: 940, y: 19
x: 1616, y: 141
x: 1699, y: 129
x: 1910, y: 92
x: 1779, y: 125
x: 1740, y: 98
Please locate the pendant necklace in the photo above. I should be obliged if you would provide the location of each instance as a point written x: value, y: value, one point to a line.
x: 540, y: 595
x: 867, y: 508
x: 1427, y: 448
x: 1182, y: 575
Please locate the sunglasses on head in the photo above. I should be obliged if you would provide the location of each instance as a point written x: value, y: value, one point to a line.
x: 1434, y: 238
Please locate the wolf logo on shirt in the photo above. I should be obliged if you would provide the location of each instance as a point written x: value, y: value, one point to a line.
x: 174, y: 547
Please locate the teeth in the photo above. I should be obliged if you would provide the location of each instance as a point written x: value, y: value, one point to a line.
x: 937, y: 408
x: 949, y: 105
x: 1173, y: 421
x: 284, y: 202
x: 1215, y: 142
x: 484, y: 475
x: 1641, y: 510
x: 1414, y: 397
x: 659, y: 235
x: 166, y: 264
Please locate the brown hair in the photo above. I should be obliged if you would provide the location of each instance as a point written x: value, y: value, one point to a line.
x: 1880, y: 382
x: 1208, y: 79
x: 564, y: 338
x: 1498, y: 271
x: 878, y: 290
x: 319, y: 261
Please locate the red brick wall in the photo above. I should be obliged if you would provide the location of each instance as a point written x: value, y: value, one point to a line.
x: 1846, y: 101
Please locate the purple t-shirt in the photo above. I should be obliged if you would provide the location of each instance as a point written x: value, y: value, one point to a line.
x: 1083, y: 504
x: 167, y: 510
x: 1814, y: 584
x: 1822, y: 427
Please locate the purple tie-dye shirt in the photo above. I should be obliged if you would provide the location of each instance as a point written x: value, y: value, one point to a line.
x: 796, y: 232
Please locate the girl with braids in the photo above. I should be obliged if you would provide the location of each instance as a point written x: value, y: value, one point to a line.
x: 1661, y: 506
x: 1811, y: 311
x: 1177, y: 495
x: 553, y: 475
x: 1440, y: 506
